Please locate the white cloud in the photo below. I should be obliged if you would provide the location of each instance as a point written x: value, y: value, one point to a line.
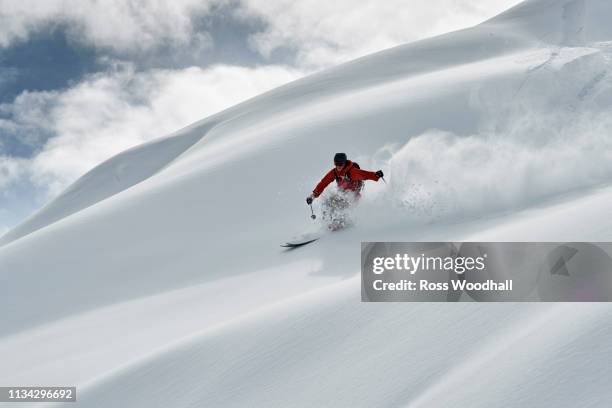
x: 106, y: 114
x: 119, y: 24
x: 329, y: 32
x: 323, y: 33
x: 11, y: 169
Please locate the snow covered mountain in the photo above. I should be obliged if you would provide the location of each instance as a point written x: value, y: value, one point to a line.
x: 157, y: 279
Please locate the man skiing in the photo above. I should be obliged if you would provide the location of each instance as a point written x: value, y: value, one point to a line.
x: 349, y: 178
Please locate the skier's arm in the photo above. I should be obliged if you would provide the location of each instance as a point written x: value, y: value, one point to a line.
x: 358, y: 174
x: 328, y: 178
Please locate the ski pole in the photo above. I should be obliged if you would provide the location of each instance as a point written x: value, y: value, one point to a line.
x: 383, y: 179
x: 313, y: 216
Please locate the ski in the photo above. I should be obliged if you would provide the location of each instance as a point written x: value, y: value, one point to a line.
x: 302, y: 240
x: 298, y: 244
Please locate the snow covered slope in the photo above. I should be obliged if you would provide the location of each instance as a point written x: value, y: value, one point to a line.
x: 157, y: 279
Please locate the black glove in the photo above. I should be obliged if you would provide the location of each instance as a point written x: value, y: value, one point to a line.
x: 380, y: 174
x: 309, y: 200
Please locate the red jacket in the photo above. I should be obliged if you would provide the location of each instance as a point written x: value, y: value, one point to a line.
x: 348, y: 178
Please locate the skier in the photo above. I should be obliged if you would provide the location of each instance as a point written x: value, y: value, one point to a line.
x: 349, y: 178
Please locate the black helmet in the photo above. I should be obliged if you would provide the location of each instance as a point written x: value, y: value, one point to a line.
x: 340, y: 159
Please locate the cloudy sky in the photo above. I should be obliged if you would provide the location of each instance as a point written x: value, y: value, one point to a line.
x: 81, y: 80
